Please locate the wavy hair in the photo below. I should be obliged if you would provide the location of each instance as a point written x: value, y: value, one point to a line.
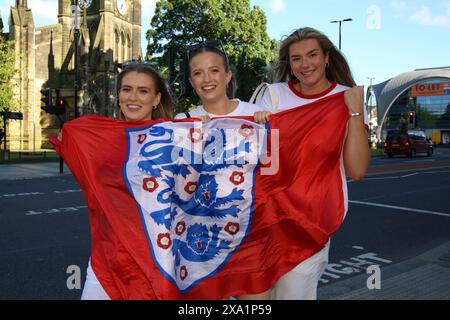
x: 338, y: 69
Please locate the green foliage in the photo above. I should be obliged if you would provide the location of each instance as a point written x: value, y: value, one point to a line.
x: 7, y: 71
x: 179, y: 23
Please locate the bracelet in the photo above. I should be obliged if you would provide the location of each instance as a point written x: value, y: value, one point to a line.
x: 355, y: 114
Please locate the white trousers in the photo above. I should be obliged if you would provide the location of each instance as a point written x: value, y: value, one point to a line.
x: 93, y: 290
x: 301, y: 282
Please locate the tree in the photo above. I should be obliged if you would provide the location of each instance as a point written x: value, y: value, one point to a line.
x: 179, y: 23
x: 7, y: 72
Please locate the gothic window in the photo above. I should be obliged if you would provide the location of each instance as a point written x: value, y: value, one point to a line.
x: 116, y: 46
x: 129, y: 46
x: 122, y: 47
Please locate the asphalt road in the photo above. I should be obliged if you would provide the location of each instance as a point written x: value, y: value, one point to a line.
x: 395, y: 217
x: 44, y: 227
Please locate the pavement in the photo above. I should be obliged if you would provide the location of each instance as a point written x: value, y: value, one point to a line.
x: 30, y: 170
x: 424, y: 277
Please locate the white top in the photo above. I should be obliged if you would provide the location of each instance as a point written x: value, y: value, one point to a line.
x: 242, y: 109
x: 289, y: 97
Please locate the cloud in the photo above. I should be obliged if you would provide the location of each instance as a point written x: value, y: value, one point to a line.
x: 423, y: 16
x: 277, y: 5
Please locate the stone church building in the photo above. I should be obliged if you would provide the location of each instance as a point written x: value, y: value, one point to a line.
x: 109, y: 33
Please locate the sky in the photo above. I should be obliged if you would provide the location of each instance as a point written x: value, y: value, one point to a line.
x: 385, y: 38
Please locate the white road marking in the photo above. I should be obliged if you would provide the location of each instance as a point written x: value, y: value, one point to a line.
x: 410, y: 175
x: 22, y: 194
x: 68, y: 191
x: 405, y: 176
x: 59, y: 210
x: 443, y: 214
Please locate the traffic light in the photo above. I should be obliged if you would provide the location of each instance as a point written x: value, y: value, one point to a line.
x: 47, y: 100
x: 60, y: 107
x: 60, y: 103
x: 411, y: 118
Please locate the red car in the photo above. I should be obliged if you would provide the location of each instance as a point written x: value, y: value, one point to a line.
x: 408, y: 143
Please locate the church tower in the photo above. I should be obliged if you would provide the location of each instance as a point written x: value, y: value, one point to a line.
x: 22, y: 31
x: 109, y: 33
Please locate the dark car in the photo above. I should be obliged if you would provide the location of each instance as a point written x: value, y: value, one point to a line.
x: 408, y: 143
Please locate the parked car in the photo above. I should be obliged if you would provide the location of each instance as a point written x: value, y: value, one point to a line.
x: 408, y: 143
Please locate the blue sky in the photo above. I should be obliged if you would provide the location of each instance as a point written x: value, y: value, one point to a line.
x: 385, y: 38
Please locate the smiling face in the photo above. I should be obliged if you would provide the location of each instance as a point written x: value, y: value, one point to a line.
x: 208, y: 76
x: 308, y: 63
x: 138, y: 96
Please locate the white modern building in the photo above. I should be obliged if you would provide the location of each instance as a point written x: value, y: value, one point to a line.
x: 419, y: 99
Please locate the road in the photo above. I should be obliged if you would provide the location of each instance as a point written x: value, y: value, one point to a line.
x: 393, y: 218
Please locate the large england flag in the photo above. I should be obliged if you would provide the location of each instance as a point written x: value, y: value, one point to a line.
x: 181, y: 210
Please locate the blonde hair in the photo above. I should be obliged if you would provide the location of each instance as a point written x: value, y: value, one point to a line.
x: 338, y: 69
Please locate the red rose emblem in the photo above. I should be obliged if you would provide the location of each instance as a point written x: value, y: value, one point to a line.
x: 232, y: 228
x: 195, y: 135
x: 164, y: 240
x: 180, y: 228
x: 190, y: 187
x: 142, y: 138
x: 237, y: 177
x: 150, y: 184
x: 246, y: 130
x: 183, y: 272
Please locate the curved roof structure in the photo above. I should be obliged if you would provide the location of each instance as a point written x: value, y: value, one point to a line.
x: 387, y: 92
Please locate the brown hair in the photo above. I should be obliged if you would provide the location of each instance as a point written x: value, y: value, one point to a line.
x: 338, y: 69
x: 164, y: 109
x: 231, y: 87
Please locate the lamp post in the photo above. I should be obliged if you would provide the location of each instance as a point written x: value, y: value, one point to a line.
x: 340, y: 24
x: 76, y: 35
x: 370, y: 110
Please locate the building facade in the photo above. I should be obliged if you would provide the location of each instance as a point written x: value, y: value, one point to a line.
x: 109, y: 33
x: 419, y: 99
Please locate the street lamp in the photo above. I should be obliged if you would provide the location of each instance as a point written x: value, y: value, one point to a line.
x: 340, y: 24
x: 76, y: 36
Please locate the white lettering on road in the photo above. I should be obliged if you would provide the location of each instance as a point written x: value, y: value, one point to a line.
x: 59, y: 210
x: 352, y: 265
x: 443, y: 214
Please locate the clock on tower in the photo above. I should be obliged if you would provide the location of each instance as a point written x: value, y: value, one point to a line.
x: 122, y: 6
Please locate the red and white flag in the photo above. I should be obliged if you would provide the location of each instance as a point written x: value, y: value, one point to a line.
x: 181, y: 210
